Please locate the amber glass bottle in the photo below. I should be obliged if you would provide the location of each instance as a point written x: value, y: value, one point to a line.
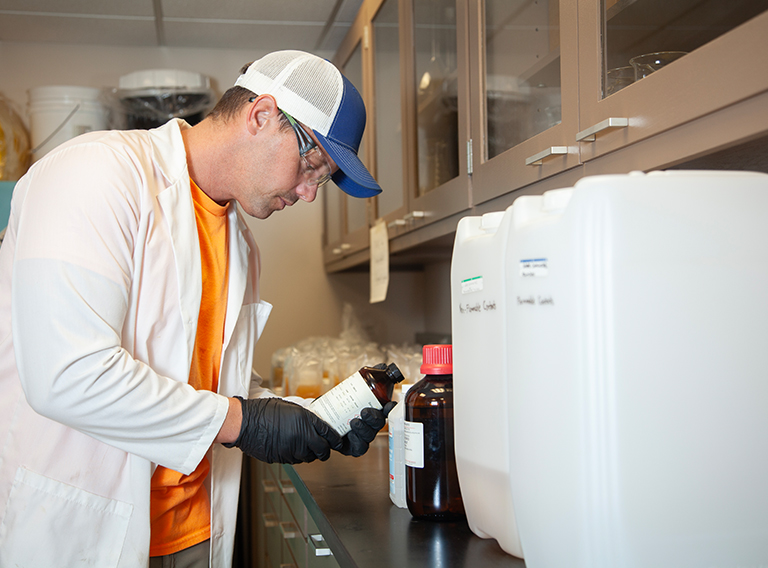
x: 431, y: 480
x: 369, y: 387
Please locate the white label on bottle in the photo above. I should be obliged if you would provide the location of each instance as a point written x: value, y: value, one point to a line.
x: 414, y: 444
x: 344, y: 402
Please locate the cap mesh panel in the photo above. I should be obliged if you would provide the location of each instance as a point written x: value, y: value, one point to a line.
x: 322, y: 99
x: 273, y: 64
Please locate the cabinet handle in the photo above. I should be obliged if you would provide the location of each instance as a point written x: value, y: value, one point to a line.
x: 321, y: 548
x: 287, y: 566
x: 270, y: 520
x: 396, y: 223
x: 289, y: 530
x: 537, y: 159
x: 341, y: 248
x: 286, y: 486
x: 589, y: 135
x: 414, y: 215
x: 269, y: 486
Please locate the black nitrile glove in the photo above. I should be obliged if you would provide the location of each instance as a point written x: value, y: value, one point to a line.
x: 364, y: 430
x: 277, y: 431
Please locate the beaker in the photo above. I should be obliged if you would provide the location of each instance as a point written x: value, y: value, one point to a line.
x: 618, y: 78
x: 646, y: 64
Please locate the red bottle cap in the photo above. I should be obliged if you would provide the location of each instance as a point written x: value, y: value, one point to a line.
x: 438, y: 360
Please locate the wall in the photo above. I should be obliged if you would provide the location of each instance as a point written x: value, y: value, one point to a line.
x: 307, y: 301
x: 27, y: 65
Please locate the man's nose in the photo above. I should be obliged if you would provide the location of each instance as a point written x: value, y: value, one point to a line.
x: 306, y: 192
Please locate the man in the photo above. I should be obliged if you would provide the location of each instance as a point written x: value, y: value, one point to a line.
x: 129, y: 309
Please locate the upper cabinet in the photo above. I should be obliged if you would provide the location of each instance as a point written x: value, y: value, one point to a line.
x: 388, y: 119
x: 420, y: 105
x: 347, y: 218
x: 471, y: 100
x: 524, y: 77
x: 647, y: 66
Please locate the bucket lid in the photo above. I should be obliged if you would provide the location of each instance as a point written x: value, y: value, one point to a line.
x: 63, y: 93
x: 165, y: 79
x: 438, y: 360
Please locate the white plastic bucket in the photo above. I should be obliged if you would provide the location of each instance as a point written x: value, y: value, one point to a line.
x: 59, y: 113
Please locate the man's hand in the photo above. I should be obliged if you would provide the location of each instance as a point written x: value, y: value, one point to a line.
x: 277, y: 431
x: 364, y: 430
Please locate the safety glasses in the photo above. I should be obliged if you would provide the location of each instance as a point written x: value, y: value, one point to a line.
x: 317, y: 170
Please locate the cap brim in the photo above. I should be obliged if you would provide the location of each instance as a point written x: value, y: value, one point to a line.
x: 352, y: 177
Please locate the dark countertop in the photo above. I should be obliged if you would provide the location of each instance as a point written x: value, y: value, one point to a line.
x: 348, y: 499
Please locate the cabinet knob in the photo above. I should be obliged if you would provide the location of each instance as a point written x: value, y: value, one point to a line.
x: 589, y: 135
x: 537, y: 159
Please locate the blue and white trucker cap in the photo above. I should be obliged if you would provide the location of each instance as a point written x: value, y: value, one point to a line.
x: 316, y: 94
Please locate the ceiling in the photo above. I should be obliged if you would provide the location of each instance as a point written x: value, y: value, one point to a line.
x: 309, y: 25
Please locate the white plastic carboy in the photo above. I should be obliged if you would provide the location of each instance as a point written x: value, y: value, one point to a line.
x: 635, y: 320
x: 480, y: 378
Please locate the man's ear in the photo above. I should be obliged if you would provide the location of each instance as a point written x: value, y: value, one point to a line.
x: 260, y: 112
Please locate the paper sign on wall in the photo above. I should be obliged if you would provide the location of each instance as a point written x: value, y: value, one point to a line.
x: 379, y: 262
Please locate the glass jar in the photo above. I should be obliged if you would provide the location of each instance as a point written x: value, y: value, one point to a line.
x: 432, y: 482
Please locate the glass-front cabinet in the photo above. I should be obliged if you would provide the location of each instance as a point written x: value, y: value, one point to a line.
x: 347, y: 218
x: 471, y: 100
x: 524, y: 80
x: 388, y: 119
x: 421, y: 101
x: 647, y: 66
x: 437, y: 93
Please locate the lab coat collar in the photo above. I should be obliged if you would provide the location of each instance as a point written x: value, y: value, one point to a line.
x: 239, y: 251
x: 176, y: 198
x: 166, y: 141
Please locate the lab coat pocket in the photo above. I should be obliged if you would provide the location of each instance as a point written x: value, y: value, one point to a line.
x: 49, y: 523
x: 263, y: 309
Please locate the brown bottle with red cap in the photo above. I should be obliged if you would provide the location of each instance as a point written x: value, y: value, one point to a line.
x: 431, y: 480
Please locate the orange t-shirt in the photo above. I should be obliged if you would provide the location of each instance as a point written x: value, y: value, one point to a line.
x: 179, y: 506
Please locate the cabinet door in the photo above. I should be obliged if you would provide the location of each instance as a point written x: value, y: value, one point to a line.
x: 347, y: 217
x: 523, y: 87
x: 270, y: 519
x: 319, y: 554
x: 388, y: 55
x: 437, y: 108
x: 649, y: 65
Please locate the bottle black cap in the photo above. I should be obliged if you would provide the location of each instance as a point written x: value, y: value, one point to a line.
x: 394, y: 373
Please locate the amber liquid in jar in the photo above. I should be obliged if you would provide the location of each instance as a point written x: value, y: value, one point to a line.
x: 432, y: 491
x: 308, y: 391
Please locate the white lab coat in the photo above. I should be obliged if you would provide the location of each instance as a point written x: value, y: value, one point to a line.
x: 96, y: 336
